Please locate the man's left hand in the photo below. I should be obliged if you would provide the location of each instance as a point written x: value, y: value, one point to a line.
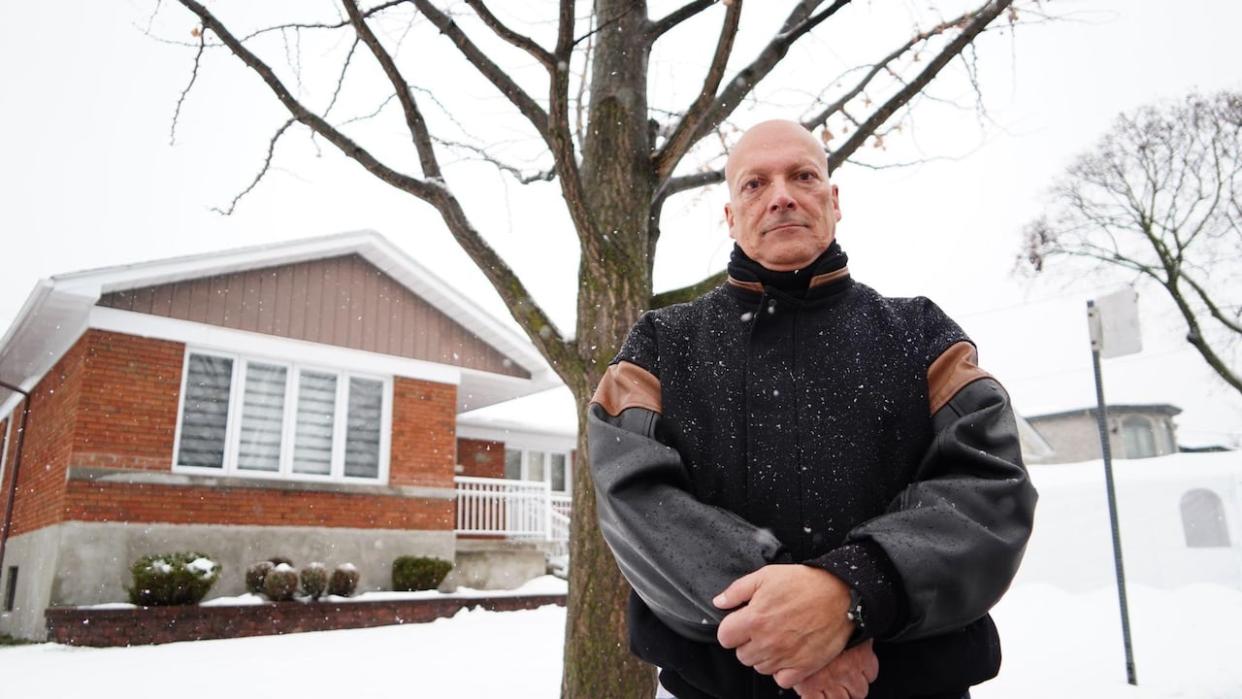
x: 794, y: 624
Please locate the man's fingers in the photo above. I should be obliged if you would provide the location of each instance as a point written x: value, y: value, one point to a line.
x: 870, y: 663
x: 788, y: 677
x: 739, y: 591
x: 856, y: 685
x: 734, y: 630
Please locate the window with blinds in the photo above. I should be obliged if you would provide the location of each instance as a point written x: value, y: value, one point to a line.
x: 266, y: 418
x: 204, y: 417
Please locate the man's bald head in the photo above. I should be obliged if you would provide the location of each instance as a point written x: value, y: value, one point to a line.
x: 782, y: 210
x: 763, y: 135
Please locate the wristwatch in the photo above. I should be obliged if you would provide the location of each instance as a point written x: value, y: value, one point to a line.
x: 855, y: 614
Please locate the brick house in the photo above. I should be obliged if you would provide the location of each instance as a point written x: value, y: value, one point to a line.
x: 298, y: 399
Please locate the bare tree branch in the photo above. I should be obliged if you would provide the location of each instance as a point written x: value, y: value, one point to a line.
x: 523, y: 42
x: 552, y: 125
x: 488, y: 68
x: 797, y: 24
x: 683, y: 183
x: 873, y: 72
x: 687, y: 293
x: 676, y: 17
x: 413, y: 117
x: 539, y: 328
x: 485, y: 155
x: 267, y: 163
x: 298, y: 26
x: 680, y: 141
x: 1213, y: 309
x: 198, y: 58
x: 978, y: 22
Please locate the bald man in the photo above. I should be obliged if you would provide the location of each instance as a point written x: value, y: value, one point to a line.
x: 812, y: 489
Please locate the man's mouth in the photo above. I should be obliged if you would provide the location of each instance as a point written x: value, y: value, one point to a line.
x: 784, y: 227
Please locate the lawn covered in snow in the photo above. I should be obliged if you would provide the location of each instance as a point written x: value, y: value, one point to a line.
x: 1059, y: 624
x: 1056, y: 645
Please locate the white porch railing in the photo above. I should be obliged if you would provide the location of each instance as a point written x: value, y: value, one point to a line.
x: 513, y: 509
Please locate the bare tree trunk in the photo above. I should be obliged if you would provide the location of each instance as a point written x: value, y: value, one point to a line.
x: 615, y: 273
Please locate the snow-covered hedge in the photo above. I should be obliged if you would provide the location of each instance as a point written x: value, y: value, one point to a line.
x: 281, y: 582
x: 314, y: 580
x: 344, y: 581
x: 182, y: 577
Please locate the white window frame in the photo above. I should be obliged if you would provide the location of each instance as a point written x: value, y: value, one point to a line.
x: 547, y: 467
x: 340, y: 425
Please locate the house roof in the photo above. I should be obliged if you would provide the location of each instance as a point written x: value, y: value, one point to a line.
x: 58, y: 310
x: 1113, y: 409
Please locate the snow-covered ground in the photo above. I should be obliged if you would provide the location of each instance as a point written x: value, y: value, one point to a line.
x: 1056, y: 645
x: 1060, y: 624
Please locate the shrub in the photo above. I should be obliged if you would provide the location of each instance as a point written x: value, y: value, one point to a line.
x: 281, y: 583
x: 418, y: 572
x: 277, y: 560
x: 183, y: 577
x: 255, y: 575
x: 314, y: 580
x: 344, y: 581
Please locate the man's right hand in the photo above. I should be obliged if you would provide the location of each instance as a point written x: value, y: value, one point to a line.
x: 848, y: 676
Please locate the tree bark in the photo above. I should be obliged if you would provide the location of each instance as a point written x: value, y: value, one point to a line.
x: 615, y: 274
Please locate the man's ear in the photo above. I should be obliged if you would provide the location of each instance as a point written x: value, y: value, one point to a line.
x: 836, y: 202
x: 729, y: 219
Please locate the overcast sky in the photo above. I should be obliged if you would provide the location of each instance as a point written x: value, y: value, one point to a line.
x: 88, y: 177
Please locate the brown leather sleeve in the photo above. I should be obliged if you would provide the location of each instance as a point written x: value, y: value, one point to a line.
x: 627, y: 385
x: 952, y: 370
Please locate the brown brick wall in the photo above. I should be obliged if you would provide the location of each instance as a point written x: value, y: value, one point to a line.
x: 126, y: 627
x: 142, y: 502
x: 127, y: 412
x: 112, y: 401
x: 424, y: 431
x: 48, y: 443
x: 481, y: 458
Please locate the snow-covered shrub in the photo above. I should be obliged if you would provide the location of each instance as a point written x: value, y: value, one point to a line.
x: 255, y: 575
x: 277, y: 560
x: 182, y: 577
x: 344, y: 581
x: 314, y: 580
x: 281, y: 583
x: 418, y: 572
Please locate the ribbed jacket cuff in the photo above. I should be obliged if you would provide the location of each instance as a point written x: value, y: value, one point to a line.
x: 865, y: 567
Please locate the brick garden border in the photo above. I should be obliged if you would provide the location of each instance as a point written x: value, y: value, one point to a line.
x: 81, y: 626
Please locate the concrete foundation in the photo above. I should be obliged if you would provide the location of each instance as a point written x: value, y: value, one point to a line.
x: 81, y: 563
x: 494, y: 565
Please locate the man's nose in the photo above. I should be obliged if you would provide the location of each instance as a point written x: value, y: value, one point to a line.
x: 780, y: 198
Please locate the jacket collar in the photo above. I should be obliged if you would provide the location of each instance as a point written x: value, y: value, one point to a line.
x: 826, y: 276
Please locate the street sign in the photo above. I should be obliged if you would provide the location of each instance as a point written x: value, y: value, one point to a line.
x: 1114, y: 324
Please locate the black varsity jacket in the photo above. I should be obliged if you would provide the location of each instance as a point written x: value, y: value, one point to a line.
x: 817, y: 423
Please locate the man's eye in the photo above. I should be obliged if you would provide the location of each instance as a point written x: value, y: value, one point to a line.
x: 750, y: 184
x: 808, y: 175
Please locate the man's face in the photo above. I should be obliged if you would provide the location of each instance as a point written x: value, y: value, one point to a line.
x: 782, y: 211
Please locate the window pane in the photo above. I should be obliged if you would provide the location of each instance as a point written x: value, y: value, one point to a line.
x: 558, y: 472
x: 205, y: 417
x: 362, y: 437
x: 263, y: 412
x: 1139, y: 441
x: 534, y: 466
x: 312, y: 445
x: 513, y: 464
